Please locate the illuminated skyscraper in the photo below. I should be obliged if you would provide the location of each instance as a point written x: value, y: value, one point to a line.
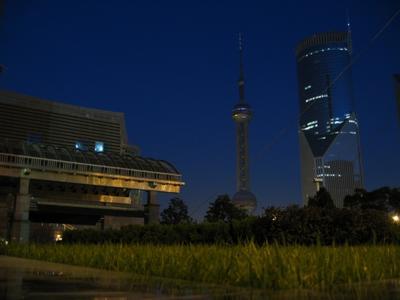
x: 329, y: 132
x: 242, y: 114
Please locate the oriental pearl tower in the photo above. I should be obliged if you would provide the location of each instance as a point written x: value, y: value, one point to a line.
x: 241, y: 115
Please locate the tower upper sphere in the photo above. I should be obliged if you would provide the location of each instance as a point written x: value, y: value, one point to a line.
x: 241, y: 112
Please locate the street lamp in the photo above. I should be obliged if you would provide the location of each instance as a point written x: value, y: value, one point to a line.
x: 396, y: 218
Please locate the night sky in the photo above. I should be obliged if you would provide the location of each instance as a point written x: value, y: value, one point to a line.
x: 172, y: 68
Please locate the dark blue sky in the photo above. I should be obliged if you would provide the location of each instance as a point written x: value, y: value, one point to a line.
x: 172, y: 67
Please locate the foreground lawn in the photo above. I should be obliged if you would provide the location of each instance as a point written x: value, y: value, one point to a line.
x: 276, y: 267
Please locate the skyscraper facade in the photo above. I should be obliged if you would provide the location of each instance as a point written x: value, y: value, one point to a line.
x: 242, y: 114
x: 328, y: 127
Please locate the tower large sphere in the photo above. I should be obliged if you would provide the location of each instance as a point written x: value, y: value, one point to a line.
x: 245, y: 200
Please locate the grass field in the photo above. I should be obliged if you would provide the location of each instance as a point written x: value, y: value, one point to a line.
x: 270, y: 266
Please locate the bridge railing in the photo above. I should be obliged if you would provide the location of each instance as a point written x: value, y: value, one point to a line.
x: 39, y: 163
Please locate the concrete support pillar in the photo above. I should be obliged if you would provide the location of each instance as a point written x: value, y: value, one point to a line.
x: 135, y: 196
x: 20, y: 224
x: 152, y: 209
x: 6, y: 210
x: 3, y: 217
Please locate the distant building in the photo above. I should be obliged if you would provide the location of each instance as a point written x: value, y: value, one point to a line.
x: 328, y: 127
x: 241, y: 115
x: 397, y: 91
x: 35, y: 120
x: 67, y: 164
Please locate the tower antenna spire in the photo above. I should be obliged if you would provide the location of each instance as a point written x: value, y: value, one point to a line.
x: 349, y: 40
x: 350, y: 49
x: 241, y: 70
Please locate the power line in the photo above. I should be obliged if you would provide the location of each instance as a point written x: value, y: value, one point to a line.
x: 202, y: 203
x: 284, y: 130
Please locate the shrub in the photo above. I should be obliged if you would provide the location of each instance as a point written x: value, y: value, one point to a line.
x: 293, y: 225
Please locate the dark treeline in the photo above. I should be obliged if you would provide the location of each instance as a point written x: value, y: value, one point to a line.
x: 366, y: 218
x: 292, y: 225
x: 384, y: 199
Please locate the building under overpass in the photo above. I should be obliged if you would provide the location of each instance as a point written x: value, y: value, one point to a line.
x: 66, y: 164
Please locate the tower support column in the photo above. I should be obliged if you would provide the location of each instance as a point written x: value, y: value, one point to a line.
x: 152, y: 209
x: 20, y: 224
x: 241, y: 115
x: 3, y: 217
x: 7, y: 203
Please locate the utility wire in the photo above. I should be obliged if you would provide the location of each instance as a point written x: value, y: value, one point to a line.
x: 202, y: 203
x: 353, y: 59
x: 284, y: 130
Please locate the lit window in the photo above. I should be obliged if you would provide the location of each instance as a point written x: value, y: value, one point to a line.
x: 316, y: 97
x: 80, y: 146
x: 312, y: 122
x: 34, y: 138
x: 99, y: 147
x: 308, y: 127
x: 322, y: 50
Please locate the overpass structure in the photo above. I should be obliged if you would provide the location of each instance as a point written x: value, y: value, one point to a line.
x: 53, y: 183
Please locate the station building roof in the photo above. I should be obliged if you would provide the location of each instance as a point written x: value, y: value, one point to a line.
x: 111, y: 159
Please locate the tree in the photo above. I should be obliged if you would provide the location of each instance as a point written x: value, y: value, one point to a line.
x: 322, y: 199
x: 175, y: 213
x: 222, y: 209
x: 395, y: 198
x: 384, y: 199
x: 355, y: 200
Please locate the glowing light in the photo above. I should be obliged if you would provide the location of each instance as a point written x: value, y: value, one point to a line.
x: 396, y: 218
x: 58, y: 236
x: 312, y: 123
x: 323, y: 50
x: 316, y: 97
x: 99, y: 146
